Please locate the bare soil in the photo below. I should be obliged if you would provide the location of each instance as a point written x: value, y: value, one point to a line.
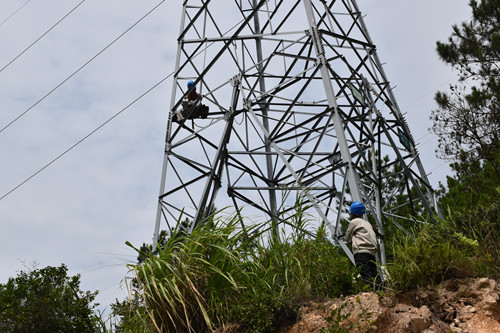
x: 456, y: 305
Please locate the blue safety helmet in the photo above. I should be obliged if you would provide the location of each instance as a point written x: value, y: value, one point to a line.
x: 190, y: 83
x: 357, y: 208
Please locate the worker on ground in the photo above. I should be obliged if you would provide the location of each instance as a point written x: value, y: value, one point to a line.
x: 364, y: 243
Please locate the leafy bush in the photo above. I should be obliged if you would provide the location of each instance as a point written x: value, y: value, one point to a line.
x: 132, y: 316
x: 482, y: 223
x: 288, y: 273
x: 47, y: 300
x: 436, y: 253
x: 339, y: 320
x: 263, y: 308
x: 192, y: 282
x: 473, y: 209
x: 466, y: 243
x: 220, y: 274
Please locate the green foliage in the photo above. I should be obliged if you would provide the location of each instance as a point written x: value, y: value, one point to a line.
x: 133, y: 316
x: 466, y: 243
x: 473, y: 205
x: 219, y: 274
x: 190, y: 284
x: 335, y: 319
x: 287, y: 273
x: 474, y: 184
x: 482, y: 224
x: 47, y: 300
x: 468, y: 121
x: 436, y: 252
x: 339, y: 320
x: 263, y: 308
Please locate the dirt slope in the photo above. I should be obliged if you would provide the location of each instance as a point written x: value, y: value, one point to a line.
x: 459, y: 305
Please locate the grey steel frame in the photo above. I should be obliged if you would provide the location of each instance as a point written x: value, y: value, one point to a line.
x: 299, y: 102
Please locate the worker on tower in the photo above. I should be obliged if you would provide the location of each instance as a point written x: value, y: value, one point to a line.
x: 191, y: 106
x: 193, y: 95
x: 364, y: 243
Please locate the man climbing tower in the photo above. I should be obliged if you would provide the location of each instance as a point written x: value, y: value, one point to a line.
x: 191, y: 106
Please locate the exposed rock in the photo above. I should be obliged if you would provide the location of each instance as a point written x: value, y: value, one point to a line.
x: 412, y: 320
x: 458, y: 305
x: 313, y: 317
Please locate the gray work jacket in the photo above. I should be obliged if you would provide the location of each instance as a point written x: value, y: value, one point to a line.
x: 360, y: 233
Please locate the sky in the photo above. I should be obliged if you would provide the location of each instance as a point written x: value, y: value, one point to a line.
x: 84, y: 96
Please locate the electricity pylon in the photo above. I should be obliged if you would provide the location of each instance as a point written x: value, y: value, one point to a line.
x: 298, y: 102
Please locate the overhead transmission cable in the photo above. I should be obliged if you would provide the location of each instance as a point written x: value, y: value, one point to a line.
x: 81, y: 67
x: 88, y: 135
x: 15, y: 12
x: 428, y: 93
x: 41, y: 36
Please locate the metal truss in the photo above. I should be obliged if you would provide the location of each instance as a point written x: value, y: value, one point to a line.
x: 299, y: 103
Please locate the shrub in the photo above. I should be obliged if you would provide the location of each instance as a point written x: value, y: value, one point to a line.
x: 47, y: 300
x: 194, y: 280
x: 132, y: 316
x: 219, y: 274
x: 288, y: 273
x: 436, y: 253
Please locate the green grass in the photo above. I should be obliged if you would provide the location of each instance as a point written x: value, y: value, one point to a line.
x: 437, y: 252
x: 218, y: 275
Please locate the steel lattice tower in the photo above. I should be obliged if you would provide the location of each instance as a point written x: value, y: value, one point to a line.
x: 299, y: 102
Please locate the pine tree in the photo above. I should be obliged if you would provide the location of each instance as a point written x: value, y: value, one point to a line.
x: 468, y: 119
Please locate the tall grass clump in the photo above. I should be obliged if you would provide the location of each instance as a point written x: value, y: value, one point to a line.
x: 472, y: 203
x: 437, y: 252
x: 483, y: 224
x: 293, y: 268
x: 220, y: 274
x: 194, y: 280
x: 289, y: 272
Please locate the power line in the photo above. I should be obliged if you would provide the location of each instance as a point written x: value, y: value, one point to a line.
x: 439, y: 166
x: 46, y: 32
x: 428, y: 93
x: 87, y: 136
x: 81, y: 67
x: 15, y: 12
x: 426, y: 142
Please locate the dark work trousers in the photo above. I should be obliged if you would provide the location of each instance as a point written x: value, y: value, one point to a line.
x: 366, y: 262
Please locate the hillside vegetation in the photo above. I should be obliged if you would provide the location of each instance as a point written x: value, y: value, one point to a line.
x: 218, y: 275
